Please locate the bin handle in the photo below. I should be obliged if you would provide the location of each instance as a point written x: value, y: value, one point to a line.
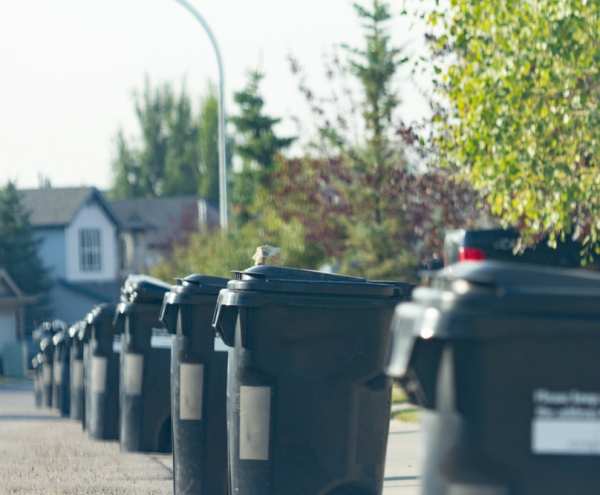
x: 168, y: 316
x: 224, y: 322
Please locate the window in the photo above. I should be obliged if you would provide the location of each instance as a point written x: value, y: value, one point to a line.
x: 90, y: 259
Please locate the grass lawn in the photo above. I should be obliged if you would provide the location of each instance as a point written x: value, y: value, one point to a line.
x: 398, y: 395
x: 406, y: 415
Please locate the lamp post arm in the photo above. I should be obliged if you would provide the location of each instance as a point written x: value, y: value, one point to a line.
x: 222, y: 143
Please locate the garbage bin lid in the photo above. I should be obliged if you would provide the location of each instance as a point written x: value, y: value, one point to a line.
x: 195, y: 285
x: 44, y: 330
x: 85, y: 331
x: 460, y: 295
x: 143, y: 289
x: 266, y: 278
x: 103, y: 313
x: 74, y: 329
x: 206, y: 281
x: 46, y: 343
x: 59, y: 338
x: 517, y: 277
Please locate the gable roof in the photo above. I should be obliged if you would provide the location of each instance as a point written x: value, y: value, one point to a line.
x: 166, y: 220
x: 106, y: 292
x: 56, y: 207
x: 10, y: 294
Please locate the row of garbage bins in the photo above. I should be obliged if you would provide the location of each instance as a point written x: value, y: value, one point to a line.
x: 278, y: 382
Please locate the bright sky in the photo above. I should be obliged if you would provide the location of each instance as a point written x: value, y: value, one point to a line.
x: 68, y: 69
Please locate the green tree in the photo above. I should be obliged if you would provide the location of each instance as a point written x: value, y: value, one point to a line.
x: 391, y: 216
x: 209, y: 145
x: 375, y: 231
x: 19, y: 256
x: 218, y: 253
x: 177, y: 152
x: 181, y: 172
x: 257, y: 145
x: 522, y: 125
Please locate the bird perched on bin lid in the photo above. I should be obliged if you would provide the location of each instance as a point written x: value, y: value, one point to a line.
x: 268, y: 255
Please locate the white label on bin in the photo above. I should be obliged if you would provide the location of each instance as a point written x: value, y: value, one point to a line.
x: 255, y: 416
x: 134, y: 368
x: 161, y: 341
x: 462, y: 489
x: 117, y: 345
x: 77, y: 376
x: 98, y: 375
x: 565, y: 422
x: 191, y: 381
x: 57, y: 373
x: 220, y: 345
x: 47, y: 374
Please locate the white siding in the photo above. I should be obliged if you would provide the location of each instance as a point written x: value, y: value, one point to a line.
x: 52, y: 251
x: 8, y: 329
x: 91, y: 216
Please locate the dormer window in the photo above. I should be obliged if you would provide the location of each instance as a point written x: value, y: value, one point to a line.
x: 90, y: 252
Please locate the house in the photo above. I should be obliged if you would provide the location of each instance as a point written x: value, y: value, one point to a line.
x: 78, y: 231
x: 12, y: 306
x: 150, y: 227
x: 13, y: 352
x: 91, y: 244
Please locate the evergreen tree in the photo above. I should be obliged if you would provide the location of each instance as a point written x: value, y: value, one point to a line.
x: 257, y: 145
x: 177, y: 152
x: 376, y: 230
x: 181, y: 171
x: 209, y: 145
x: 19, y: 256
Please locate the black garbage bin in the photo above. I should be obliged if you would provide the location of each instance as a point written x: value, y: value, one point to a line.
x: 38, y: 379
x: 85, y: 335
x: 42, y: 336
x: 198, y: 387
x: 145, y: 367
x: 103, y: 372
x: 503, y: 359
x: 61, y: 371
x: 57, y: 371
x: 308, y: 399
x: 76, y: 372
x: 47, y: 348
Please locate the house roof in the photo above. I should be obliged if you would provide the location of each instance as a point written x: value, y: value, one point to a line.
x: 106, y: 292
x: 56, y: 207
x: 166, y: 220
x: 10, y: 294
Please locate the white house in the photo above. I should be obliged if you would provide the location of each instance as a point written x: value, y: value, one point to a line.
x: 78, y: 234
x: 12, y: 305
x: 150, y: 227
x: 91, y: 244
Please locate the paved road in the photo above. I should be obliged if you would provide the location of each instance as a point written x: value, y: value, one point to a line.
x: 402, y: 467
x: 43, y: 454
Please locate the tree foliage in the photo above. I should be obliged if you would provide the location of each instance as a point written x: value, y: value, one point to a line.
x: 257, y: 145
x: 209, y: 146
x: 177, y: 151
x: 522, y: 87
x: 396, y: 212
x: 354, y: 199
x: 19, y: 256
x: 218, y: 253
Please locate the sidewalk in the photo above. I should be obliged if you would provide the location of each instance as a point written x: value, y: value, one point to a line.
x: 44, y: 454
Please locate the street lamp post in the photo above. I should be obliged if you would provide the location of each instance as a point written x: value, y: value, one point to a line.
x: 222, y: 150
